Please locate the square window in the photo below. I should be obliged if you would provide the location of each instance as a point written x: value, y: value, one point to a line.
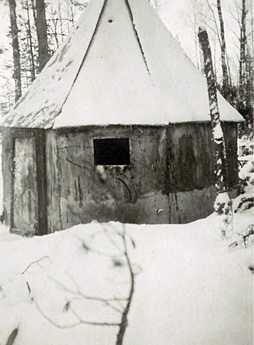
x: 111, y: 151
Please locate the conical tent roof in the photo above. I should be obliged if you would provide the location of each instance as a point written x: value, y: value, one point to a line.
x: 120, y: 65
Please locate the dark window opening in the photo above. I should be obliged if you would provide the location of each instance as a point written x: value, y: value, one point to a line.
x: 113, y: 151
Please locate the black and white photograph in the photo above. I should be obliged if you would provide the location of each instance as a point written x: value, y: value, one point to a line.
x: 126, y: 172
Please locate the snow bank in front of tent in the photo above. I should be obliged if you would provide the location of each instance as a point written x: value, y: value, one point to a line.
x: 190, y: 288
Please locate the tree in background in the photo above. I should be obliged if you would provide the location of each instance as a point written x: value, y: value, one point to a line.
x: 214, y: 19
x: 38, y: 28
x: 209, y: 14
x: 41, y: 29
x: 15, y: 49
x: 222, y: 40
x: 242, y: 61
x: 28, y: 43
x: 236, y: 86
x: 245, y: 94
x: 61, y: 17
x: 223, y: 204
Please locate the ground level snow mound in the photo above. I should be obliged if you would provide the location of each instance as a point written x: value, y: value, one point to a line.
x: 190, y: 288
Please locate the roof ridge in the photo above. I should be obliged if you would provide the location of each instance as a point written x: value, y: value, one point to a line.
x: 137, y: 35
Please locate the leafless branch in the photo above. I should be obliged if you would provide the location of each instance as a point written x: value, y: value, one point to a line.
x: 235, y: 34
x: 110, y: 238
x: 76, y: 294
x: 205, y: 20
x: 34, y: 263
x: 215, y: 21
x: 75, y: 324
x: 124, y: 320
x: 244, y: 237
x: 12, y: 336
x: 236, y: 18
x: 86, y: 297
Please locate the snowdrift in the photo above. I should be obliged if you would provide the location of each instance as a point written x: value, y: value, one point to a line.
x: 190, y: 288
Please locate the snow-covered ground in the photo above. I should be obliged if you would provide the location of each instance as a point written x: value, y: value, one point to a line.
x: 191, y: 286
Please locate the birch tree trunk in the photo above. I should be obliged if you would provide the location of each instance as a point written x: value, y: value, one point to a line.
x: 41, y: 29
x: 218, y: 139
x: 222, y: 203
x: 16, y: 50
x: 242, y: 63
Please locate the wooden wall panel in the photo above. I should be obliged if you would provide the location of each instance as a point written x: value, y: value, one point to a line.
x: 170, y: 177
x: 25, y: 219
x: 37, y: 156
x: 135, y: 193
x: 190, y: 157
x: 53, y: 188
x: 230, y: 135
x: 7, y: 166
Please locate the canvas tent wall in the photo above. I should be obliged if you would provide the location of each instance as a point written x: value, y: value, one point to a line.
x: 122, y: 78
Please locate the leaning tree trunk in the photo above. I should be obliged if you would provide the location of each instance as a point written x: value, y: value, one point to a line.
x: 16, y: 50
x: 218, y: 138
x: 41, y: 29
x: 225, y: 82
x: 222, y: 203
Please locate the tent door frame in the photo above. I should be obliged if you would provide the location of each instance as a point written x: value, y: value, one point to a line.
x: 40, y: 148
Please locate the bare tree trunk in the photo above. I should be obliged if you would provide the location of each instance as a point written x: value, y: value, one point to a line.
x: 222, y: 203
x: 218, y: 139
x: 55, y: 33
x: 16, y: 50
x: 41, y: 29
x: 72, y: 13
x: 225, y: 82
x: 60, y: 20
x: 30, y: 43
x: 246, y: 65
x: 242, y: 64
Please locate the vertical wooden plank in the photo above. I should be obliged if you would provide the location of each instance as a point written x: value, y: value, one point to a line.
x: 41, y: 182
x: 25, y: 192
x: 53, y: 196
x: 26, y: 146
x: 7, y: 166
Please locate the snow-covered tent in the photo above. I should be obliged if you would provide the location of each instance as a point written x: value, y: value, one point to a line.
x: 116, y: 127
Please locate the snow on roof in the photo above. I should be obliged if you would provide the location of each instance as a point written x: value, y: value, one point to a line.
x: 120, y: 65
